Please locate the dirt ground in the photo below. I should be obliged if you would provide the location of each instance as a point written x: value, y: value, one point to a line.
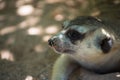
x: 26, y: 25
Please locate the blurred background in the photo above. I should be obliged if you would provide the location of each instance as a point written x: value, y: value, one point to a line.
x: 26, y: 25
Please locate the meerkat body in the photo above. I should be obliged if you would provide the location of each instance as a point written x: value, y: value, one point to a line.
x: 86, y: 42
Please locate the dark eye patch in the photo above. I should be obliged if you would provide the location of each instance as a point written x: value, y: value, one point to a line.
x: 74, y: 35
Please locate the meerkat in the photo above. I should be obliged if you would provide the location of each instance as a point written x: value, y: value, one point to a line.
x: 88, y: 43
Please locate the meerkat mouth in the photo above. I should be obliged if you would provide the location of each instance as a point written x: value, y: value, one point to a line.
x: 62, y: 50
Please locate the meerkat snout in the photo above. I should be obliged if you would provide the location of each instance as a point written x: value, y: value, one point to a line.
x: 52, y: 41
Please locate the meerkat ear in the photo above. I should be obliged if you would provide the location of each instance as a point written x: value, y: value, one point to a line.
x: 106, y: 44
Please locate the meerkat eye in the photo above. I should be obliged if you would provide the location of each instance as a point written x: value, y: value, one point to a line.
x: 106, y: 44
x: 74, y: 35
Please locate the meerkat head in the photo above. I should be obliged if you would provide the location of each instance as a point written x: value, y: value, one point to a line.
x: 90, y: 42
x: 82, y: 35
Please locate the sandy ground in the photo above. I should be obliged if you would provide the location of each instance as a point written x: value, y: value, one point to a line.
x: 25, y: 27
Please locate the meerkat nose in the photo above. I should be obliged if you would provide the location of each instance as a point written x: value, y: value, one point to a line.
x: 52, y: 41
